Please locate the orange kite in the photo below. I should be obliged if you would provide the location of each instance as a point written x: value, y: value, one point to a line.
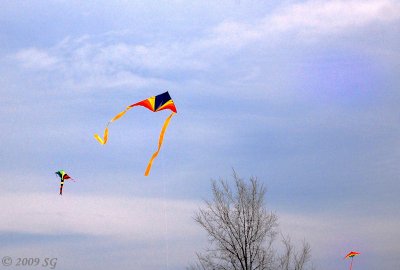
x: 155, y: 104
x: 351, y: 255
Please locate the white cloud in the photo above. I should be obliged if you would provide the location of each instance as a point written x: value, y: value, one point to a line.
x: 113, y: 60
x: 133, y: 229
x: 232, y: 35
x: 86, y: 63
x: 156, y: 220
x: 332, y: 17
x: 122, y: 218
x: 312, y: 19
x: 153, y: 218
x: 36, y: 58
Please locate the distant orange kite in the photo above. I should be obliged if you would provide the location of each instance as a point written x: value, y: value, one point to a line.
x: 351, y: 255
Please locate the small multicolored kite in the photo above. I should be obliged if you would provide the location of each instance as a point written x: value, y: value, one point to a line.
x: 63, y: 176
x: 155, y: 104
x: 351, y: 255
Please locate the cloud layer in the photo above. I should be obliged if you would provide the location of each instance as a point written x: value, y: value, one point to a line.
x: 107, y: 62
x: 118, y: 221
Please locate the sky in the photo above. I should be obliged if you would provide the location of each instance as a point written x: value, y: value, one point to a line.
x: 303, y: 95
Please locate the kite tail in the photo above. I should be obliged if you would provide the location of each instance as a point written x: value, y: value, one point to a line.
x: 105, y: 136
x: 160, y: 141
x: 61, y: 187
x: 351, y: 264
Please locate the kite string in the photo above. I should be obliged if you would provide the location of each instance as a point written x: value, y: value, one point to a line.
x: 165, y: 216
x: 351, y: 263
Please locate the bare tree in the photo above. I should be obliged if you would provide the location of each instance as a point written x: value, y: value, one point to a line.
x: 292, y: 259
x: 241, y: 231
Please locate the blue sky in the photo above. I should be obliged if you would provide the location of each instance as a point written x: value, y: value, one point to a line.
x: 302, y: 94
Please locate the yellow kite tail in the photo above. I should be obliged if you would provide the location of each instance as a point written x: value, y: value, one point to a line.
x: 105, y: 136
x: 160, y: 141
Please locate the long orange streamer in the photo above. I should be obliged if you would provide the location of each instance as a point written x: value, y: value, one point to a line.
x: 160, y: 141
x: 105, y: 136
